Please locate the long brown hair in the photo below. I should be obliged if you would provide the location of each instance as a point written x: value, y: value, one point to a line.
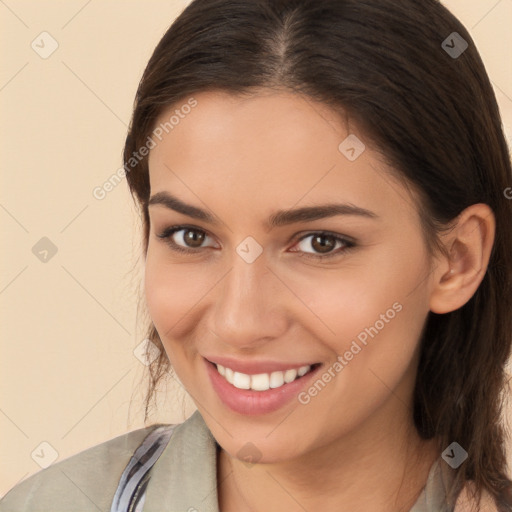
x: 426, y: 104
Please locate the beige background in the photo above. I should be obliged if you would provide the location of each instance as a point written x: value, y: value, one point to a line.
x: 68, y: 371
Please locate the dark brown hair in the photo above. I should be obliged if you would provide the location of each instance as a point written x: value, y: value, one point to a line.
x: 434, y: 118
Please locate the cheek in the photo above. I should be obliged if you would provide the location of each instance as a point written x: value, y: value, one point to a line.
x: 342, y: 305
x: 167, y: 296
x: 377, y: 324
x: 169, y: 291
x: 372, y: 312
x: 176, y: 294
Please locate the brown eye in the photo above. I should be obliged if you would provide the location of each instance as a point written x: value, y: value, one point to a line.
x: 188, y: 239
x: 193, y: 238
x: 184, y: 238
x: 323, y: 245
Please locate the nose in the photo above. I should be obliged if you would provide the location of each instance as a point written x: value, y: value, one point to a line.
x: 249, y: 307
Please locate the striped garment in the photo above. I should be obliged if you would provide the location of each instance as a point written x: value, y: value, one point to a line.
x: 131, y: 492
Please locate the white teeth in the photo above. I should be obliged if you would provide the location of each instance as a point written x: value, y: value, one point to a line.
x: 303, y: 370
x: 229, y: 375
x: 276, y: 379
x: 261, y: 381
x: 289, y: 375
x: 241, y: 380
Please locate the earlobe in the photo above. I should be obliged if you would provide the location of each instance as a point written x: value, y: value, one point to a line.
x: 469, y: 244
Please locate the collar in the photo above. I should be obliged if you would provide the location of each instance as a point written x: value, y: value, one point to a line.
x: 184, y: 478
x: 433, y: 497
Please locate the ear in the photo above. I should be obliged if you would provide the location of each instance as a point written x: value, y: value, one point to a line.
x: 469, y: 245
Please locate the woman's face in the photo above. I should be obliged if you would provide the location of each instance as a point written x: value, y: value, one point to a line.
x: 262, y: 291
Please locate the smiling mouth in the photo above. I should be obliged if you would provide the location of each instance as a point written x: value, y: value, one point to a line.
x: 263, y: 381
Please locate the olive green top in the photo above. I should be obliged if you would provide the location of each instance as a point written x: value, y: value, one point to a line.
x: 184, y: 477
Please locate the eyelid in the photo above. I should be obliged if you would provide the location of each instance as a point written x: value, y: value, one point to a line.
x: 167, y: 233
x: 349, y: 242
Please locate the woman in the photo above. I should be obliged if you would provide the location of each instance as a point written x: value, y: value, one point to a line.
x: 328, y: 267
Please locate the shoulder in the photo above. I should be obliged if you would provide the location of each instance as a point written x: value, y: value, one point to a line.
x: 85, y: 481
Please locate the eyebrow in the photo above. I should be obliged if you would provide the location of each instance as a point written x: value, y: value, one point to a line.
x: 277, y: 219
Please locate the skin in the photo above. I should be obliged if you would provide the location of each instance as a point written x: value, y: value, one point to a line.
x: 242, y: 159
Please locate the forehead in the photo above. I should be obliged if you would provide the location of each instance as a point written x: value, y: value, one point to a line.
x: 286, y: 125
x: 273, y: 148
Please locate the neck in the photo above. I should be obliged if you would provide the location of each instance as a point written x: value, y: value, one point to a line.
x: 371, y: 469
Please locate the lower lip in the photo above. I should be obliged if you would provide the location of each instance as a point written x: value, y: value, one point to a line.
x: 249, y: 402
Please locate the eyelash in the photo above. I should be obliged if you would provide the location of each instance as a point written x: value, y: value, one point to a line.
x: 167, y: 233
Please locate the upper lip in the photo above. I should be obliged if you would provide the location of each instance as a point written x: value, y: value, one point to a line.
x: 255, y: 367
